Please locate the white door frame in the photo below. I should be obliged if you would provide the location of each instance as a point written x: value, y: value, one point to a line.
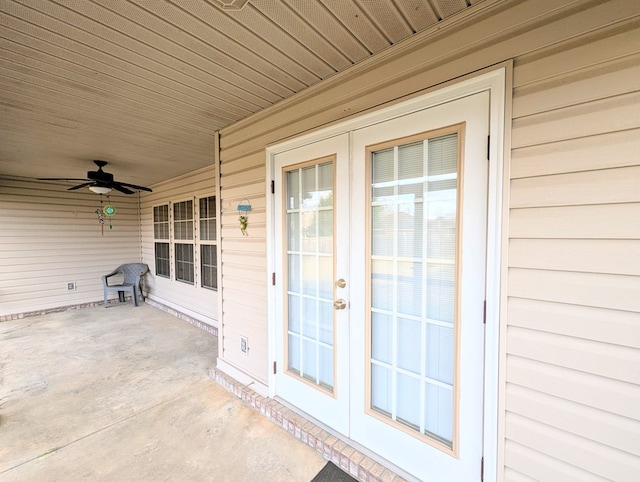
x: 495, y: 82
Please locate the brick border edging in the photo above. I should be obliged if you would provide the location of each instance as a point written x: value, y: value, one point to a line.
x: 212, y: 330
x: 332, y: 448
x: 57, y: 309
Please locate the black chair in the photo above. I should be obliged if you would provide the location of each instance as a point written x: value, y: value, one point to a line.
x: 132, y: 274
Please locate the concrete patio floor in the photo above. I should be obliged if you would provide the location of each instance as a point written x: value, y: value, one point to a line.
x: 123, y: 394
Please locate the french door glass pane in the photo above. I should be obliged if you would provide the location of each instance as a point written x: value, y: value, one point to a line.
x: 294, y: 314
x: 381, y: 390
x: 409, y: 347
x: 414, y: 220
x: 439, y: 412
x: 310, y: 246
x: 381, y: 333
x: 408, y: 400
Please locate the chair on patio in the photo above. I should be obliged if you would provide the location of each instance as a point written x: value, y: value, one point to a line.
x: 132, y: 274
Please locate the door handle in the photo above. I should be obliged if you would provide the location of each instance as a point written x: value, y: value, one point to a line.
x: 340, y: 304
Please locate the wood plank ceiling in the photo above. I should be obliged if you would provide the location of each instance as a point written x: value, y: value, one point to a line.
x: 143, y: 84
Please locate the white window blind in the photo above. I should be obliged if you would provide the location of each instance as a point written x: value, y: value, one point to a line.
x: 309, y: 234
x: 414, y: 219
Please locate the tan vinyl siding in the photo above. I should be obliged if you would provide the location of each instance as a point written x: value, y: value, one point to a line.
x: 193, y: 300
x: 618, y: 221
x: 572, y: 311
x: 573, y: 340
x: 577, y: 188
x: 615, y: 256
x: 244, y: 274
x: 51, y: 237
x: 573, y: 450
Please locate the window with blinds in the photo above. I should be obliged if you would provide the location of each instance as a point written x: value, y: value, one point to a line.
x: 309, y: 268
x: 183, y: 231
x: 161, y: 240
x: 413, y: 262
x: 207, y: 241
x: 190, y: 236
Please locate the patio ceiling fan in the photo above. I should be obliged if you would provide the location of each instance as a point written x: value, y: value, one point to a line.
x: 100, y: 182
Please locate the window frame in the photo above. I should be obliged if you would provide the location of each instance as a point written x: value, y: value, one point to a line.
x: 208, y: 241
x: 183, y: 235
x: 161, y: 226
x: 199, y: 232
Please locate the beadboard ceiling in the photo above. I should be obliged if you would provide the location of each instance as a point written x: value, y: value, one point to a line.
x: 143, y: 84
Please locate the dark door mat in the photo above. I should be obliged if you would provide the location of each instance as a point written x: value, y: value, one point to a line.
x: 331, y: 473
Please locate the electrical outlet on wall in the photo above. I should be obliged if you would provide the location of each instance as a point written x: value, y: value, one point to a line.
x: 71, y: 286
x: 244, y: 345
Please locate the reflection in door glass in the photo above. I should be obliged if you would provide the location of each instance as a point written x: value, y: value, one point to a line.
x: 309, y: 258
x: 413, y: 265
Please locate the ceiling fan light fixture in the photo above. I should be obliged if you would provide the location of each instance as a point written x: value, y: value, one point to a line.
x: 100, y: 189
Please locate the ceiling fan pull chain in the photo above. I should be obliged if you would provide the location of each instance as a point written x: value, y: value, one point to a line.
x: 100, y: 214
x: 108, y: 205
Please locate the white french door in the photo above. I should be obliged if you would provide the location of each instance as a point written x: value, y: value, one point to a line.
x: 380, y: 253
x: 312, y: 252
x: 420, y: 182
